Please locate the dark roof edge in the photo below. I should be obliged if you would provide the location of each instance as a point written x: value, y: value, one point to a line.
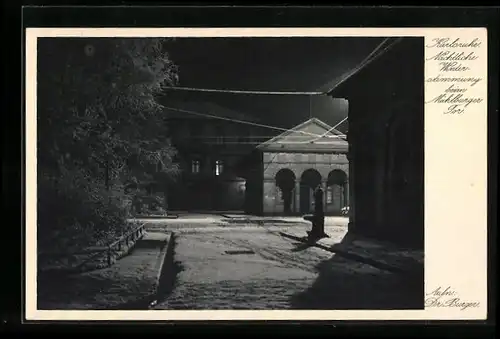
x: 338, y: 86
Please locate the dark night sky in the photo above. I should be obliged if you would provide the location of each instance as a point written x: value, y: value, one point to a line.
x: 274, y: 64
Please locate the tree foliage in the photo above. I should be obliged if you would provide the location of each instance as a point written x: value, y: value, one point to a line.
x: 99, y: 123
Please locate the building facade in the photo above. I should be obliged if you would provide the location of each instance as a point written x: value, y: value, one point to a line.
x: 284, y: 171
x: 208, y: 151
x: 227, y: 165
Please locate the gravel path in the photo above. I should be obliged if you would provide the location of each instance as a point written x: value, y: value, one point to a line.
x: 267, y: 271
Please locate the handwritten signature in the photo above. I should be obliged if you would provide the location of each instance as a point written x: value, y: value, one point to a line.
x: 447, y: 297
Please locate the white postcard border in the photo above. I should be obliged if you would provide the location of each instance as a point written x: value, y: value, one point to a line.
x: 455, y: 179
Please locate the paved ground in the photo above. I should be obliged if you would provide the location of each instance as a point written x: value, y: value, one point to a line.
x: 199, y: 220
x: 251, y: 266
x: 368, y: 250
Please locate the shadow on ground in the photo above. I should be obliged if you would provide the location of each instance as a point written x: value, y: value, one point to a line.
x: 166, y: 284
x: 107, y: 288
x: 90, y: 291
x: 169, y: 274
x: 299, y: 246
x: 346, y: 284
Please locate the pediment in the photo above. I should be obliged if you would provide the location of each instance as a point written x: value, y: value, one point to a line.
x: 311, y: 135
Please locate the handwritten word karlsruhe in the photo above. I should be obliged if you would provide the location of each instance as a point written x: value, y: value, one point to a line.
x: 451, y: 63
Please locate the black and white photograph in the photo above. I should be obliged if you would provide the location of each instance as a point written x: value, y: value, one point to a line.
x: 230, y: 173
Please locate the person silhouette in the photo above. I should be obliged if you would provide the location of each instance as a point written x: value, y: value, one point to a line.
x: 318, y: 201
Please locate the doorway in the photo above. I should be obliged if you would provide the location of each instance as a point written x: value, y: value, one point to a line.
x: 309, y: 180
x: 285, y: 182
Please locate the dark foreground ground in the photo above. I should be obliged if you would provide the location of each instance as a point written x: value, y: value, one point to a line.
x: 219, y: 264
x: 254, y: 267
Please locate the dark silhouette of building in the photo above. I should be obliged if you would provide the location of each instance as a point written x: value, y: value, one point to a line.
x: 386, y: 144
x: 208, y: 150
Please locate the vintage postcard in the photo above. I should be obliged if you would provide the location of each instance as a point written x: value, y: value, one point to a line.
x: 256, y: 174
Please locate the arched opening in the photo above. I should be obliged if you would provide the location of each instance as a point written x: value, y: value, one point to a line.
x: 309, y: 180
x: 336, y: 192
x: 285, y: 181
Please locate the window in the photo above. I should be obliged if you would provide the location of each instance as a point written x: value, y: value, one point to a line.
x: 195, y: 166
x: 219, y: 166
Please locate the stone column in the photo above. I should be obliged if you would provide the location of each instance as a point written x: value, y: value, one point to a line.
x: 297, y: 196
x: 269, y: 196
x: 346, y: 193
x: 324, y: 187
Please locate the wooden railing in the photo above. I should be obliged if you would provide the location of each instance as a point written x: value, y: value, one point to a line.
x: 130, y: 236
x: 110, y: 249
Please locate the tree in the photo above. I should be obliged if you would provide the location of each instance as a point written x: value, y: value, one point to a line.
x: 98, y: 118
